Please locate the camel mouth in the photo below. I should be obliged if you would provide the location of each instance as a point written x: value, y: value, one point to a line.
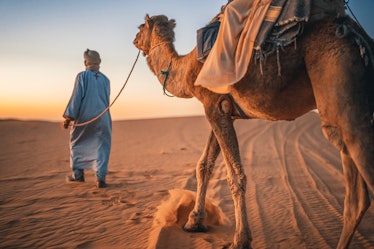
x: 135, y: 42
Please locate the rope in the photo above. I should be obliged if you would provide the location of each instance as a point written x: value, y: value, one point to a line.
x: 353, y: 15
x: 107, y: 109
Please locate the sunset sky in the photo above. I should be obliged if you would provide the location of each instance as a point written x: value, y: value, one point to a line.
x: 42, y: 44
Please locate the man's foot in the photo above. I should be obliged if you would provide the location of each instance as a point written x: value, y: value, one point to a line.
x: 70, y: 179
x: 100, y: 184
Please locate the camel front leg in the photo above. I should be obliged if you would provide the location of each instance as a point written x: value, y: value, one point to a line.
x: 237, y: 181
x: 356, y: 201
x: 222, y: 124
x: 204, y: 170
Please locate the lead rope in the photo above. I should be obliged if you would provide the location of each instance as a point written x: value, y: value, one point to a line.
x: 107, y: 109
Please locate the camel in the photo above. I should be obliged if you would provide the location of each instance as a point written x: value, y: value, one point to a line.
x: 325, y: 71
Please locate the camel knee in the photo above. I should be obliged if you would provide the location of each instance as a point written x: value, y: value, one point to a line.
x: 333, y: 136
x: 225, y: 105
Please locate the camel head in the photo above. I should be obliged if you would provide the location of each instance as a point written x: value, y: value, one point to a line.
x: 155, y: 30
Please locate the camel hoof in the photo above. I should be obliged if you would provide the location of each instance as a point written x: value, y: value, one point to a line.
x: 227, y: 246
x: 232, y: 246
x: 197, y: 228
x: 238, y: 245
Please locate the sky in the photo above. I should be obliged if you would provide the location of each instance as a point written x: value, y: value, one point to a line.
x: 42, y: 44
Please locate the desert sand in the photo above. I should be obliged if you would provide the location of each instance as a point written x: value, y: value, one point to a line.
x: 295, y: 189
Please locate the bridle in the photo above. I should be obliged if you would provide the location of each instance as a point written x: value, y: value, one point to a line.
x: 155, y: 46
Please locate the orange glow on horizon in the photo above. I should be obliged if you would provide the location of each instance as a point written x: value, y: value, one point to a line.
x: 31, y: 111
x: 52, y: 111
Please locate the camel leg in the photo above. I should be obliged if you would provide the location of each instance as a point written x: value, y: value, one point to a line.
x: 352, y: 136
x: 344, y: 92
x: 342, y: 87
x: 223, y: 128
x: 362, y: 153
x: 204, y: 170
x: 356, y: 201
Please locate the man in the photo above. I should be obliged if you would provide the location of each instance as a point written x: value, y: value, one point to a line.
x: 89, y: 144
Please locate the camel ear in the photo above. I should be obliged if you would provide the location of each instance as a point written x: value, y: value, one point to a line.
x: 172, y: 23
x: 148, y: 21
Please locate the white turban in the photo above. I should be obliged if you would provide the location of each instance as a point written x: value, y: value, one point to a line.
x: 92, y: 60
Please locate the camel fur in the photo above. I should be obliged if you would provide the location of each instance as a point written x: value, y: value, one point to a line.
x: 323, y: 72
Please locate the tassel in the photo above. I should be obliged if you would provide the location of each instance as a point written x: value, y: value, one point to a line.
x: 261, y: 59
x: 278, y: 62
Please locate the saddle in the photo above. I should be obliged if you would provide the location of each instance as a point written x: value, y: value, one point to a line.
x: 281, y: 26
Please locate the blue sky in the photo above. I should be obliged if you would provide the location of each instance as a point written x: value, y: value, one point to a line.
x: 42, y: 44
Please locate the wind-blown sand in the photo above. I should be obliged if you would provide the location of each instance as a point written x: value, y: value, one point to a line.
x: 295, y: 188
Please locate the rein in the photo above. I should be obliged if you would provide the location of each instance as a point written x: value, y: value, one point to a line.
x: 107, y: 109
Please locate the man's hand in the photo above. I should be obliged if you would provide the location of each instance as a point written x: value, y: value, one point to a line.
x: 65, y: 124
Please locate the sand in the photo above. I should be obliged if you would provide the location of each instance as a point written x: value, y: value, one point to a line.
x: 295, y: 189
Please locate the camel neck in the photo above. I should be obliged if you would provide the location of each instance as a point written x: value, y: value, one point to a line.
x: 159, y: 59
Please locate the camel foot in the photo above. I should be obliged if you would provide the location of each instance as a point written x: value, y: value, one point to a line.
x: 227, y: 246
x: 240, y: 242
x: 237, y: 246
x: 195, y: 228
x: 195, y: 223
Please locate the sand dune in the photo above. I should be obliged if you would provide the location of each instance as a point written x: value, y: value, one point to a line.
x: 295, y: 189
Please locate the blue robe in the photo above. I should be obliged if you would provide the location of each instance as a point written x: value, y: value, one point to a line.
x: 90, y: 144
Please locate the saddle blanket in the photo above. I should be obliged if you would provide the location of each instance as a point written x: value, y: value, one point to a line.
x: 246, y: 26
